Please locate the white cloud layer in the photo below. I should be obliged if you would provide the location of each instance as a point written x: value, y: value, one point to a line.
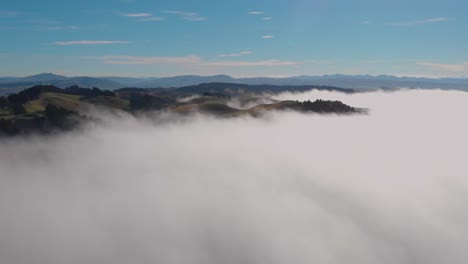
x: 386, y: 188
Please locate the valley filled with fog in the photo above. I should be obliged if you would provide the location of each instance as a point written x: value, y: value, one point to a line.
x: 386, y: 187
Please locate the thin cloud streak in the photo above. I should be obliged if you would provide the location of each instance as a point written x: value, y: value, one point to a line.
x: 267, y: 37
x: 137, y: 60
x: 243, y: 53
x: 152, y: 19
x: 190, y: 61
x: 137, y: 15
x: 89, y: 42
x: 56, y: 28
x: 9, y: 13
x: 180, y: 13
x: 265, y: 63
x: 256, y: 13
x: 419, y: 22
x: 190, y: 16
x: 451, y: 68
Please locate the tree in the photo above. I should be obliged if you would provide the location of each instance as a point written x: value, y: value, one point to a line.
x: 18, y: 109
x: 60, y: 117
x: 4, y: 102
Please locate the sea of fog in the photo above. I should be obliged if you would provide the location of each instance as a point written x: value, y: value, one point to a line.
x: 387, y: 187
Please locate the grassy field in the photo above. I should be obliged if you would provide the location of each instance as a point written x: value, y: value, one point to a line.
x: 110, y: 102
x: 71, y: 102
x: 4, y: 112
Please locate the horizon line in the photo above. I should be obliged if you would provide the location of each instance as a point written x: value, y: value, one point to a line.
x: 242, y: 77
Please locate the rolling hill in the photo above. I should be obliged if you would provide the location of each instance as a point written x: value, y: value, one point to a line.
x: 10, y: 85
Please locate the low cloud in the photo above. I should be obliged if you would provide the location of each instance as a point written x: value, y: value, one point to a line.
x: 389, y: 187
x: 447, y: 68
x: 4, y: 13
x: 267, y: 18
x: 242, y: 53
x: 135, y: 60
x: 267, y: 37
x: 256, y: 13
x: 191, y: 16
x: 266, y: 63
x: 191, y: 61
x: 152, y: 19
x: 57, y: 28
x: 138, y: 15
x: 89, y: 42
x: 419, y: 22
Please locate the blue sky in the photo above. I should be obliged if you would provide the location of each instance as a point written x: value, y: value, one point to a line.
x: 238, y: 38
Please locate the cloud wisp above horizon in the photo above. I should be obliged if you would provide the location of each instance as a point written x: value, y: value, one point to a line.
x: 192, y: 61
x: 461, y: 68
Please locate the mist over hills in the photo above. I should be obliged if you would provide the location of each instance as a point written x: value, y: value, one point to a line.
x: 364, y: 82
x: 388, y: 187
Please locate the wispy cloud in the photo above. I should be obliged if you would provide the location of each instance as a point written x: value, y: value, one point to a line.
x: 267, y: 18
x: 8, y: 13
x: 265, y: 63
x: 320, y: 62
x: 267, y: 37
x: 137, y: 15
x: 188, y: 61
x: 461, y: 68
x: 57, y: 28
x: 44, y: 21
x: 180, y: 13
x: 89, y: 42
x: 364, y: 22
x: 138, y: 60
x: 152, y: 19
x: 243, y: 53
x: 2, y: 28
x: 256, y: 13
x: 419, y: 22
x: 191, y: 16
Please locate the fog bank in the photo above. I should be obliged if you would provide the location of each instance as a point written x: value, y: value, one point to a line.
x: 388, y: 187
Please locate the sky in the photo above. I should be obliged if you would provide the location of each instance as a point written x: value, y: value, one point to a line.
x: 244, y: 38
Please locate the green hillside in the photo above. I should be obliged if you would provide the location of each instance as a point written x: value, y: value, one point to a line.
x: 66, y: 101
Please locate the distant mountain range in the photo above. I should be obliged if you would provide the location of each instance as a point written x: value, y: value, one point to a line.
x: 363, y: 82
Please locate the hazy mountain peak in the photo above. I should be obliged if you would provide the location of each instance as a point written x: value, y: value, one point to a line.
x: 45, y: 77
